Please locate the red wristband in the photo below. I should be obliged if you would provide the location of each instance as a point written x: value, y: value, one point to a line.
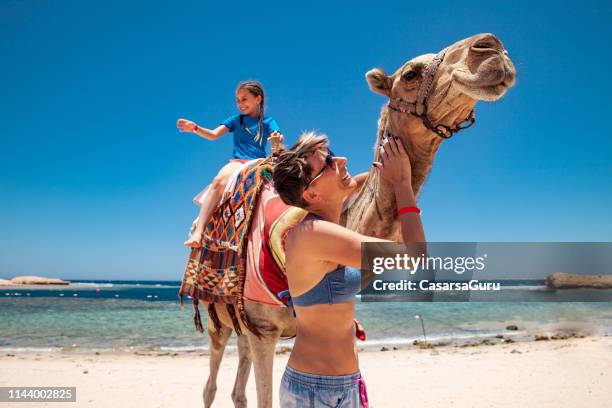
x: 406, y: 210
x: 195, y: 128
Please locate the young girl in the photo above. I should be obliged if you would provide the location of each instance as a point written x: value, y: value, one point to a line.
x: 251, y: 131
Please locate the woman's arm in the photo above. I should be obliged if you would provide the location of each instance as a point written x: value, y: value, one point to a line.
x: 325, y: 241
x: 185, y: 125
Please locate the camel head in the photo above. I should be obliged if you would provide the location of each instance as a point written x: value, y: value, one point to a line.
x: 433, y: 96
x: 473, y: 69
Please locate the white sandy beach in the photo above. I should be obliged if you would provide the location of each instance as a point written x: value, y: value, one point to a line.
x: 555, y: 373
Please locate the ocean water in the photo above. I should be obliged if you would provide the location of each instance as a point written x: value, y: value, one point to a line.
x: 123, y: 316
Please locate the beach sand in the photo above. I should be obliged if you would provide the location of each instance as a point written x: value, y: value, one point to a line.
x: 555, y: 373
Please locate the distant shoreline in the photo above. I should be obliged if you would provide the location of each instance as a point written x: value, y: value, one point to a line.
x: 45, y: 286
x: 33, y: 280
x: 285, y: 346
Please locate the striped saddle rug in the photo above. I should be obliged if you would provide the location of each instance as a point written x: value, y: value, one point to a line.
x: 216, y: 272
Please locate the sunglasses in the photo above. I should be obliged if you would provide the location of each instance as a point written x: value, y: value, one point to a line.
x: 329, y: 164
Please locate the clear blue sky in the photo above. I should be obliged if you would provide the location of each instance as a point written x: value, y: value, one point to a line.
x: 95, y: 181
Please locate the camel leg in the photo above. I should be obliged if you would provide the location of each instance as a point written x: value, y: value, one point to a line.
x: 218, y: 340
x: 262, y: 352
x: 244, y: 369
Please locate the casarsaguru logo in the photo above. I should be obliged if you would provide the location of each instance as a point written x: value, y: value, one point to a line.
x: 426, y: 285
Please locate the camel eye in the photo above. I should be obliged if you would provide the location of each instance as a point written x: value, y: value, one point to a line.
x: 410, y: 75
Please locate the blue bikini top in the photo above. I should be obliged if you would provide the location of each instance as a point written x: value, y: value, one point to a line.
x: 338, y: 286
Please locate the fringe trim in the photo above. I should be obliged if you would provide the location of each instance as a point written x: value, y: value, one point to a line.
x: 197, y: 319
x: 214, y: 318
x: 232, y: 312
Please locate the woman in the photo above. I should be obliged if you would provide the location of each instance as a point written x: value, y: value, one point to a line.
x: 323, y: 369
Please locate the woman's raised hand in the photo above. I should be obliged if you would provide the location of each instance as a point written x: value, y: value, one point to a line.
x: 185, y: 125
x: 394, y: 164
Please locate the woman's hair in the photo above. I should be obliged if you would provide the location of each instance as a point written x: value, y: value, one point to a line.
x: 292, y: 173
x: 256, y: 89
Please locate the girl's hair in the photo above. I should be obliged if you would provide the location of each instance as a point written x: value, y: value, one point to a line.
x: 292, y: 173
x: 256, y: 89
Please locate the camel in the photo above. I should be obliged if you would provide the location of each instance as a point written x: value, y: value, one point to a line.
x: 430, y: 98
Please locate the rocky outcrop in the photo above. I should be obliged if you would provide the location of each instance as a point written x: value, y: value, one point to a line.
x: 4, y: 282
x: 562, y: 280
x: 37, y: 280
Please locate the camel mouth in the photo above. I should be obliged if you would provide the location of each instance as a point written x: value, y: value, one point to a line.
x: 484, y: 93
x: 488, y: 90
x: 491, y: 81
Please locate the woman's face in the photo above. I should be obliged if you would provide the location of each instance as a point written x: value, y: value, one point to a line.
x: 247, y: 103
x: 330, y: 182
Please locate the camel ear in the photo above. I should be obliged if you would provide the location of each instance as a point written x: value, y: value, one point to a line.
x: 379, y: 82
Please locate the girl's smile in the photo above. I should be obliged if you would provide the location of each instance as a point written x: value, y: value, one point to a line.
x: 247, y: 103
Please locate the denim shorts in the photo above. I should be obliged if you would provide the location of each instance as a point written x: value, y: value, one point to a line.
x: 303, y: 390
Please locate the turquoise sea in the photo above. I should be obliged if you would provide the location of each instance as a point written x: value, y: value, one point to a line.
x: 123, y: 316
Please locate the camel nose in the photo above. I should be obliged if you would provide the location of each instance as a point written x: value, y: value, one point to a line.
x: 487, y: 42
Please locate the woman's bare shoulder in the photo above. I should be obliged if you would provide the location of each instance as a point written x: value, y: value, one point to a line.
x: 324, y: 241
x: 299, y: 248
x: 311, y: 228
x: 300, y: 233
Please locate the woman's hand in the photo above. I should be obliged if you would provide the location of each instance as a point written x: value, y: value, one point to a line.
x: 185, y: 125
x: 395, y: 168
x: 394, y: 165
x: 276, y: 135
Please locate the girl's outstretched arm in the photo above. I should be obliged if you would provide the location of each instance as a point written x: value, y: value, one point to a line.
x: 185, y: 125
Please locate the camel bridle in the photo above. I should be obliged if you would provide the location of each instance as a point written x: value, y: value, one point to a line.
x: 423, y: 94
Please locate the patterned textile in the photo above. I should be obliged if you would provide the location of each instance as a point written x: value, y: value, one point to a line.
x: 243, y: 251
x: 215, y: 273
x: 266, y: 257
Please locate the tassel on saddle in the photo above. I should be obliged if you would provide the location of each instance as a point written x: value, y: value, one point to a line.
x: 197, y: 319
x: 214, y: 317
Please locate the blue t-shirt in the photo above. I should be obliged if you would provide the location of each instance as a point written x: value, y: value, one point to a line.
x: 245, y: 146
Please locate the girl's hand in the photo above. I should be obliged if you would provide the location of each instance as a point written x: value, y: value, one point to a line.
x: 185, y: 125
x: 278, y: 135
x: 394, y: 165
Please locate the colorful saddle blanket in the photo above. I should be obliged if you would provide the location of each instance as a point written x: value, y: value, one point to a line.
x: 215, y: 272
x: 243, y: 251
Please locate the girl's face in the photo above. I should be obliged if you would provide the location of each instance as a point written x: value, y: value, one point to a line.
x: 333, y: 180
x: 247, y: 103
